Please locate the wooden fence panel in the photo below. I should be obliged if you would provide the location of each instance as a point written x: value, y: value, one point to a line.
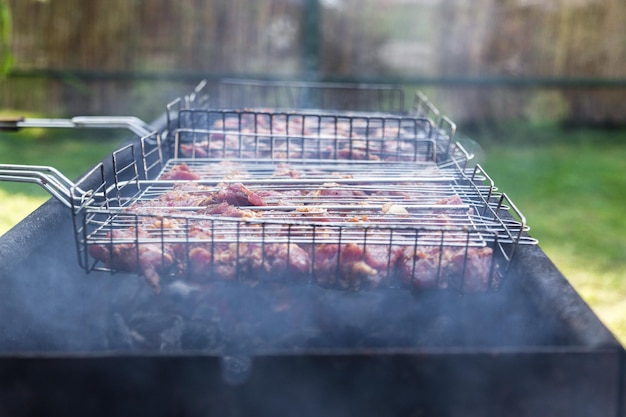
x: 557, y: 39
x: 353, y: 39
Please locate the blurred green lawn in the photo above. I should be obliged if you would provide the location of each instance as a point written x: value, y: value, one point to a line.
x: 571, y: 185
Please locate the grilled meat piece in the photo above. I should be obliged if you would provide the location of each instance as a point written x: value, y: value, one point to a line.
x: 235, y: 194
x: 473, y: 269
x: 349, y: 266
x: 180, y: 172
x: 332, y: 190
x: 180, y: 195
x: 274, y: 262
x: 467, y: 268
x: 419, y: 268
x: 224, y: 209
x: 148, y: 259
x: 251, y: 262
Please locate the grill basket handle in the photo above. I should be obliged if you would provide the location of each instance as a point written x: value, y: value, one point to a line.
x: 53, y: 181
x: 134, y: 124
x: 10, y: 123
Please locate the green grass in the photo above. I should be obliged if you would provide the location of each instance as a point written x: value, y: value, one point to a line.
x: 571, y: 186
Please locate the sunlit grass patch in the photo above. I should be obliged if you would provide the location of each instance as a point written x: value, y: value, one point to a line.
x: 603, y: 287
x: 572, y: 190
x: 15, y: 206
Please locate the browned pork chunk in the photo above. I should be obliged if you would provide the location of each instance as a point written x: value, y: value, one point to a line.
x: 180, y: 172
x: 350, y: 266
x: 148, y: 259
x: 235, y: 194
x: 272, y: 262
x: 430, y: 267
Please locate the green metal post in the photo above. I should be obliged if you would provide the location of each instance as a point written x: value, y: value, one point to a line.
x: 311, y: 39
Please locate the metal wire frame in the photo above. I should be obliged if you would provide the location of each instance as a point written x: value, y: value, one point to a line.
x: 290, y: 135
x: 482, y: 218
x: 238, y: 238
x: 287, y: 102
x: 335, y: 97
x: 332, y: 98
x: 354, y: 185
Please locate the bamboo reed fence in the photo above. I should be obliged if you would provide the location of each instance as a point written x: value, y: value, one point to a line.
x: 131, y: 56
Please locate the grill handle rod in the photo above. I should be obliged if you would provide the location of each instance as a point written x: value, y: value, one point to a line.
x: 53, y: 181
x: 134, y: 124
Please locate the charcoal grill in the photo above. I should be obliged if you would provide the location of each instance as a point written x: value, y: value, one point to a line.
x: 531, y: 348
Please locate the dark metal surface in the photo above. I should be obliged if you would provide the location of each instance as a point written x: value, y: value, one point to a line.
x: 480, y: 384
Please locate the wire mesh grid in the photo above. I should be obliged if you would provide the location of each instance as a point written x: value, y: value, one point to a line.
x: 341, y: 223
